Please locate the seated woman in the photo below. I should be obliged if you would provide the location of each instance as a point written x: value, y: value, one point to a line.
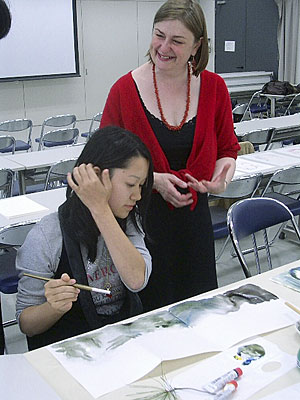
x: 96, y: 238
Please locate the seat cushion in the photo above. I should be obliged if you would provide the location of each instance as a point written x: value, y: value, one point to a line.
x: 219, y: 221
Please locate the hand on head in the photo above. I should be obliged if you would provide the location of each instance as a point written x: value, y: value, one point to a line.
x: 92, y: 186
x: 60, y: 293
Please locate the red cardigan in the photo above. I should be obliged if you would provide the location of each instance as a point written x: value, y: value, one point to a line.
x: 214, y: 133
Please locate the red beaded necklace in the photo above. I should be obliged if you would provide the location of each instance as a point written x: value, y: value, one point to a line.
x: 188, y: 101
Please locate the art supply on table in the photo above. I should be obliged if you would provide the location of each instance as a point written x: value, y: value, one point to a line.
x: 219, y: 383
x: 76, y: 285
x: 229, y: 388
x: 294, y: 308
x: 298, y: 359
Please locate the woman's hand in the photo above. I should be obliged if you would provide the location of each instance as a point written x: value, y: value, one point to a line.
x: 217, y: 185
x: 93, y: 189
x: 60, y: 293
x: 166, y: 184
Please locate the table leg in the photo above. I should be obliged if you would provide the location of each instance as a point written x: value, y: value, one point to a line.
x: 22, y: 184
x: 273, y: 100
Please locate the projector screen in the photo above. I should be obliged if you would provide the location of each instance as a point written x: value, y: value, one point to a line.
x: 42, y: 42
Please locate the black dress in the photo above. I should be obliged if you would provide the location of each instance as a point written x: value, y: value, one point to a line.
x: 180, y: 241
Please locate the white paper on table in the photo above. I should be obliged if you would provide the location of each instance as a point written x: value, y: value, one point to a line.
x: 258, y: 374
x: 190, y: 327
x: 251, y: 166
x: 288, y: 393
x: 272, y: 158
x: 20, y: 208
x: 19, y: 380
x: 293, y: 151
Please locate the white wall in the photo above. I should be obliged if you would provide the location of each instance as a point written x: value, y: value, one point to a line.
x: 114, y: 36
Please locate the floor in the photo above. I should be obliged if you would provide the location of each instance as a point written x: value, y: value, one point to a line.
x: 228, y: 271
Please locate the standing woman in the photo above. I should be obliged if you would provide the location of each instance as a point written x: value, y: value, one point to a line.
x: 182, y: 112
x: 96, y: 239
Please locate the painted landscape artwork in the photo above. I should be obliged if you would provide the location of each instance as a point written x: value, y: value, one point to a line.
x: 131, y: 350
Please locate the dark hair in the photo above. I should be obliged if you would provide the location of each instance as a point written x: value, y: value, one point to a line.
x: 190, y: 13
x: 5, y: 19
x: 108, y: 148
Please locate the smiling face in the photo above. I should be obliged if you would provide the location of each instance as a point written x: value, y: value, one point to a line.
x: 172, y: 44
x: 127, y: 186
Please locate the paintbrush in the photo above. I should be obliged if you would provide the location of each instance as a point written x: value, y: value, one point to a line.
x: 292, y: 307
x: 76, y: 285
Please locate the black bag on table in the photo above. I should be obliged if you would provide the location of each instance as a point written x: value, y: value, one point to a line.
x: 279, y: 88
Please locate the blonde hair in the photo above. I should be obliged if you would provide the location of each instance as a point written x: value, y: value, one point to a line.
x: 190, y: 13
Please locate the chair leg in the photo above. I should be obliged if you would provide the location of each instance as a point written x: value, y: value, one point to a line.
x: 2, y: 340
x: 221, y: 251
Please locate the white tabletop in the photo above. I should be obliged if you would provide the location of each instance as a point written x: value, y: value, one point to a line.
x: 284, y: 122
x: 287, y: 339
x: 51, y: 199
x: 43, y: 158
x: 6, y: 162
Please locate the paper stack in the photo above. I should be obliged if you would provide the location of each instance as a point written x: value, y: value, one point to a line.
x: 20, y: 209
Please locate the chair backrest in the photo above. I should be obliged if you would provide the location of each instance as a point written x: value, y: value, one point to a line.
x: 60, y: 137
x: 249, y: 216
x: 17, y: 125
x: 57, y: 121
x: 259, y: 136
x: 95, y: 123
x: 238, y: 112
x: 284, y: 176
x: 14, y: 235
x: 6, y: 182
x: 57, y: 174
x: 244, y: 186
x: 253, y: 108
x: 7, y: 144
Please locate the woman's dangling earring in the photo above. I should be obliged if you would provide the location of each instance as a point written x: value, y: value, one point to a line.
x: 193, y: 63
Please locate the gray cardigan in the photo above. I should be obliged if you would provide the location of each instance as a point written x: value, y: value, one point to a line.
x: 40, y: 255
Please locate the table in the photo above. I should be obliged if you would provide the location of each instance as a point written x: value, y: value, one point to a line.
x: 267, y: 162
x: 287, y: 339
x: 40, y: 159
x: 50, y: 199
x: 286, y: 127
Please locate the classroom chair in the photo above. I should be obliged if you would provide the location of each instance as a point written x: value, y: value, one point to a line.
x: 57, y: 174
x: 95, y: 123
x: 237, y: 189
x: 56, y: 122
x: 247, y: 218
x: 15, y: 126
x: 7, y: 144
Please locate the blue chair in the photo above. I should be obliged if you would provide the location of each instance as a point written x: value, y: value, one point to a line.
x: 56, y: 122
x: 239, y: 188
x: 247, y: 218
x: 95, y: 123
x: 7, y: 144
x: 11, y: 236
x: 6, y: 182
x: 57, y: 174
x: 256, y: 107
x: 59, y: 137
x: 284, y: 186
x: 12, y: 127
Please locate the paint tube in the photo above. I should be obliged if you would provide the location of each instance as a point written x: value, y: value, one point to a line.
x: 229, y: 388
x: 218, y: 383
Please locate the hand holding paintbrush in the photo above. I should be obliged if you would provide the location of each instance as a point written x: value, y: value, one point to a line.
x: 76, y: 285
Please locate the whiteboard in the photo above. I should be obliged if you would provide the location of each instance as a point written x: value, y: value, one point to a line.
x: 42, y: 42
